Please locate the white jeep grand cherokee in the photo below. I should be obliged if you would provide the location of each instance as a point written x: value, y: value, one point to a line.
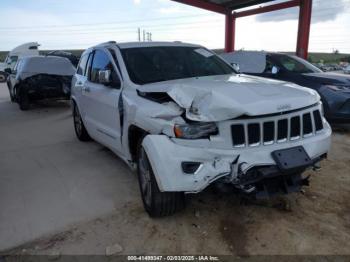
x: 186, y: 119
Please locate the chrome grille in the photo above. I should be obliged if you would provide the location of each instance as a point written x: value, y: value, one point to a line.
x: 238, y: 139
x: 277, y: 130
x: 269, y: 133
x: 318, y: 120
x: 282, y: 130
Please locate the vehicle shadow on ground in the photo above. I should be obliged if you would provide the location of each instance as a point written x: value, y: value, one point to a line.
x: 341, y: 128
x: 50, y: 104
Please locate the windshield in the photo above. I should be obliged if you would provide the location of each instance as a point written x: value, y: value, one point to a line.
x: 11, y: 61
x: 156, y: 64
x: 296, y: 65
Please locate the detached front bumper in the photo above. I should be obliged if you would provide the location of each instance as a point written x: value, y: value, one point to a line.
x: 167, y: 157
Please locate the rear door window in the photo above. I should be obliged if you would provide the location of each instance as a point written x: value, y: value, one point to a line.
x: 88, y: 66
x: 13, y: 60
x: 82, y: 64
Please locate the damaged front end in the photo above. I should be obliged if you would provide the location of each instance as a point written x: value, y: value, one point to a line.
x: 235, y: 134
x: 263, y: 182
x: 44, y: 86
x: 260, y: 157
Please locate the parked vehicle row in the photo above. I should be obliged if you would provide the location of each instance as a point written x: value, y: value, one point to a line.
x: 333, y: 88
x: 24, y: 50
x: 31, y: 77
x: 39, y: 77
x: 347, y: 70
x: 330, y: 67
x: 185, y: 119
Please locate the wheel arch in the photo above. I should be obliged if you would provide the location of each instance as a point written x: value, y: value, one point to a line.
x: 135, y: 134
x: 73, y: 101
x: 17, y: 88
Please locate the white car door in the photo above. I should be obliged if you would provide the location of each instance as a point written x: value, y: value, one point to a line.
x: 100, y: 102
x: 79, y: 81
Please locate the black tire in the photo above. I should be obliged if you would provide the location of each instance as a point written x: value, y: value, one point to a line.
x: 3, y: 77
x: 23, y: 100
x: 155, y: 202
x: 79, y: 127
x: 12, y: 97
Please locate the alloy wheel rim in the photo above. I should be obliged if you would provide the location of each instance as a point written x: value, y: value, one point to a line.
x: 77, y: 121
x: 145, y: 177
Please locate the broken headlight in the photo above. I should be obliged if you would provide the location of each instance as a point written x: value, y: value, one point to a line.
x: 195, y: 131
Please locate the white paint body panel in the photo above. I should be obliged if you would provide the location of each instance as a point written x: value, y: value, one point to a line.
x: 217, y: 158
x: 20, y: 51
x: 220, y: 99
x: 101, y: 114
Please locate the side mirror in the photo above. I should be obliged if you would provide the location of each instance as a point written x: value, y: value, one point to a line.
x: 275, y: 70
x: 8, y: 71
x: 104, y: 77
x: 236, y: 67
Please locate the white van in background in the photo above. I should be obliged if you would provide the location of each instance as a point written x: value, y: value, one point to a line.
x: 27, y: 49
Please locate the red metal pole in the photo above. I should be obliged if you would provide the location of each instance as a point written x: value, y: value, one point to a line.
x: 304, y: 28
x: 233, y: 33
x: 230, y: 28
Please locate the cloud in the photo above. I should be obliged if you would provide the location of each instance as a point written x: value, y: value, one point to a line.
x: 322, y: 11
x: 137, y: 2
x: 170, y: 10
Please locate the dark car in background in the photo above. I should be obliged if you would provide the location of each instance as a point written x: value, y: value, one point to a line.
x: 72, y: 58
x: 333, y: 88
x: 39, y: 77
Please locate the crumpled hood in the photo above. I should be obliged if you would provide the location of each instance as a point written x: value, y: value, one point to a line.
x: 217, y: 98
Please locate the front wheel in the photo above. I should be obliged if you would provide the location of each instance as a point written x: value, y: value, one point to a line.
x: 3, y: 77
x: 156, y: 203
x: 79, y: 127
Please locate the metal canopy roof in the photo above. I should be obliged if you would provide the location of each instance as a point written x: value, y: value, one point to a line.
x: 236, y: 4
x: 229, y: 7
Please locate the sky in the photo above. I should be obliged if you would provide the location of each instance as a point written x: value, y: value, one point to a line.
x: 78, y: 24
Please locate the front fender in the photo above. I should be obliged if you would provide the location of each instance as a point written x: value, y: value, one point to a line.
x: 166, y: 157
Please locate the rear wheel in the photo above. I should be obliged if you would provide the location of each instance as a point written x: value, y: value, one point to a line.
x: 79, y: 127
x: 3, y: 77
x: 23, y: 100
x: 156, y: 203
x: 12, y: 97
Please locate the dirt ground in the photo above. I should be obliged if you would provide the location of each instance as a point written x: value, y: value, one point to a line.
x: 316, y: 221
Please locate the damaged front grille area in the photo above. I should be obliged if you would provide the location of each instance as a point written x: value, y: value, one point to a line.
x: 279, y: 129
